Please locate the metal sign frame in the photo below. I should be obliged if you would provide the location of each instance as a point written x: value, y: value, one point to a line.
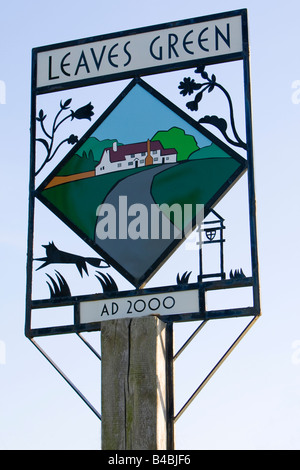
x: 170, y: 249
x: 204, y: 286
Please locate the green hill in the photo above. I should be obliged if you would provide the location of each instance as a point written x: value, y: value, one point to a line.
x: 211, y: 151
x: 192, y: 182
x: 178, y: 139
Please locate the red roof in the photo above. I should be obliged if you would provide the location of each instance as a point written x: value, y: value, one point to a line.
x: 132, y: 149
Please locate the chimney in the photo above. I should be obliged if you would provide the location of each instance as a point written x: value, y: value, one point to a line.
x: 115, y: 147
x: 148, y: 148
x: 149, y: 159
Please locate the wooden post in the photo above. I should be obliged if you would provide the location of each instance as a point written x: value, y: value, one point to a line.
x: 135, y: 377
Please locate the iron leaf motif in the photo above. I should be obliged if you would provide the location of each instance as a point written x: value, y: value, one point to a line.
x: 85, y: 112
x: 188, y: 86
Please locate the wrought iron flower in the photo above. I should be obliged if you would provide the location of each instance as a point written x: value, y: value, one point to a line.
x: 192, y: 105
x: 200, y: 69
x: 72, y: 139
x: 188, y: 86
x: 85, y: 112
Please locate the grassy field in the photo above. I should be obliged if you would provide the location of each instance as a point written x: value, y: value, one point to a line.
x: 79, y: 200
x: 193, y: 181
x: 188, y: 182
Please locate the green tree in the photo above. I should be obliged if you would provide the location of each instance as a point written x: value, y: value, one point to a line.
x: 178, y: 139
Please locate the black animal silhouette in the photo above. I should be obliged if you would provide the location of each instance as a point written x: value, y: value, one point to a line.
x: 54, y: 255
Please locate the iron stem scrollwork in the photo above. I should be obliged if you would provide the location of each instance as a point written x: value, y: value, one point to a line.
x: 188, y: 86
x: 85, y: 112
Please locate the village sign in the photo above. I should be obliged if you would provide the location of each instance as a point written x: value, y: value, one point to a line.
x: 143, y: 176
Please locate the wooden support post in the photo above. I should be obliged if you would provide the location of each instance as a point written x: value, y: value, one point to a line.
x: 135, y: 377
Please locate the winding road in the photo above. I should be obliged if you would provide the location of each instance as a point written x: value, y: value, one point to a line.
x: 136, y: 255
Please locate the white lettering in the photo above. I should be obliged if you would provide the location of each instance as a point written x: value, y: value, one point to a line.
x: 107, y: 226
x: 161, y: 222
x: 119, y: 460
x: 138, y: 228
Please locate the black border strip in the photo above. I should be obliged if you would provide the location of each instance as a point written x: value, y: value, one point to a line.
x: 176, y: 318
x: 204, y: 286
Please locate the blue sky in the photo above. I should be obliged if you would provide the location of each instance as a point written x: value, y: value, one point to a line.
x: 253, y: 401
x: 139, y: 117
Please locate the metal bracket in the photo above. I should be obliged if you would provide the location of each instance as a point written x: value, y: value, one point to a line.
x: 171, y: 360
x: 215, y: 368
x: 65, y: 377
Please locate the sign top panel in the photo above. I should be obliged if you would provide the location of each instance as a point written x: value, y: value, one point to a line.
x: 142, y: 51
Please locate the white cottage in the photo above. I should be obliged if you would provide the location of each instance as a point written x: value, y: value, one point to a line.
x: 124, y: 157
